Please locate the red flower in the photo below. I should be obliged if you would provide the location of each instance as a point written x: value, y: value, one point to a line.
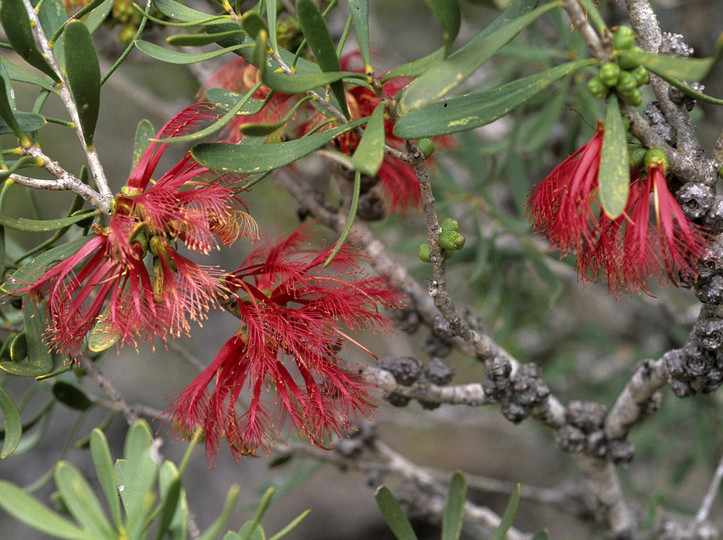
x: 107, y: 282
x: 294, y: 314
x: 561, y: 204
x: 625, y: 252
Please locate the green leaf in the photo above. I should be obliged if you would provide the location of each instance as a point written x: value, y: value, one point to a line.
x: 136, y: 476
x: 52, y: 17
x: 103, y: 462
x: 178, y: 11
x: 198, y: 40
x: 249, y: 159
x: 103, y: 335
x: 43, y: 225
x: 416, y: 67
x: 19, y: 348
x: 687, y: 90
x: 83, y: 72
x: 454, y: 507
x: 36, y: 267
x: 271, y: 15
x: 541, y: 535
x: 253, y: 23
x: 26, y: 121
x: 227, y: 100
x: 258, y: 55
x: 261, y: 129
x: 446, y: 75
x: 175, y: 522
x: 479, y: 108
x: 360, y: 15
x: 508, y: 516
x: 7, y: 112
x: 393, y: 514
x: 249, y: 531
x: 300, y: 83
x: 99, y: 14
x: 369, y: 154
x: 33, y: 513
x: 217, y: 526
x: 687, y: 69
x: 80, y: 500
x: 17, y: 27
x: 144, y: 133
x: 286, y: 530
x: 12, y: 424
x: 40, y: 359
x: 319, y: 39
x: 448, y: 13
x: 593, y: 14
x: 614, y: 173
x: 174, y: 57
x: 21, y: 75
x: 71, y: 396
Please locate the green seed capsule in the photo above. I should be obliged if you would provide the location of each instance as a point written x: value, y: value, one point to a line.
x: 641, y: 75
x: 623, y: 38
x: 424, y: 252
x: 597, y: 88
x: 450, y: 224
x: 626, y: 83
x: 628, y: 63
x: 610, y: 73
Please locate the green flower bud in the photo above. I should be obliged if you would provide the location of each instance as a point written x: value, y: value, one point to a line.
x: 656, y: 156
x: 426, y: 146
x: 450, y: 224
x: 451, y: 240
x: 424, y: 252
x: 641, y: 75
x: 627, y: 63
x: 626, y: 82
x: 597, y: 88
x: 636, y: 156
x: 609, y: 73
x: 633, y: 97
x: 623, y: 38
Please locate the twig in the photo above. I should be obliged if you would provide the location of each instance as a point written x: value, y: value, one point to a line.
x: 588, y: 33
x: 704, y: 511
x: 119, y: 401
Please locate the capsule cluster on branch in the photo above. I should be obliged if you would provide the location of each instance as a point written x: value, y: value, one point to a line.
x: 352, y: 442
x: 698, y: 366
x: 407, y: 370
x: 517, y: 395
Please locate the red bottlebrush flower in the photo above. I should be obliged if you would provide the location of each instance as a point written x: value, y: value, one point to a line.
x: 625, y: 252
x: 560, y: 205
x: 107, y: 282
x: 294, y: 314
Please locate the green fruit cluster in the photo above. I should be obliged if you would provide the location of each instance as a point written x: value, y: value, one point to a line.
x: 625, y: 76
x: 450, y: 240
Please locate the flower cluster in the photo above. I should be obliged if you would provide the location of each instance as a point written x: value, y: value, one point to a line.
x: 653, y: 238
x: 294, y: 315
x: 106, y: 286
x: 397, y: 179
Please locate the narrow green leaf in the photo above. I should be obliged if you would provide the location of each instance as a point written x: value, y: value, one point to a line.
x: 541, y: 535
x: 687, y: 90
x: 43, y: 225
x: 258, y: 56
x: 360, y: 15
x: 19, y: 348
x: 103, y: 462
x: 249, y: 530
x: 52, y: 17
x: 508, y: 516
x: 71, y: 396
x: 26, y: 121
x: 12, y: 424
x: 136, y: 476
x: 36, y: 267
x: 479, y: 108
x: 271, y: 15
x: 349, y: 219
x: 614, y: 173
x: 253, y: 23
x: 260, y: 129
x: 7, y: 113
x: 178, y: 11
x: 83, y: 72
x: 454, y: 507
x: 217, y: 526
x: 99, y: 14
x: 40, y: 359
x: 80, y: 500
x: 449, y: 15
x: 174, y: 57
x: 144, y: 133
x: 103, y: 335
x: 394, y: 515
x: 300, y: 83
x: 593, y: 14
x: 446, y: 75
x: 19, y: 74
x: 687, y: 69
x: 33, y: 513
x: 249, y: 159
x: 170, y: 498
x: 227, y: 100
x: 286, y: 530
x: 369, y: 155
x: 176, y: 527
x: 319, y: 39
x: 198, y: 40
x: 17, y: 27
x: 416, y: 67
